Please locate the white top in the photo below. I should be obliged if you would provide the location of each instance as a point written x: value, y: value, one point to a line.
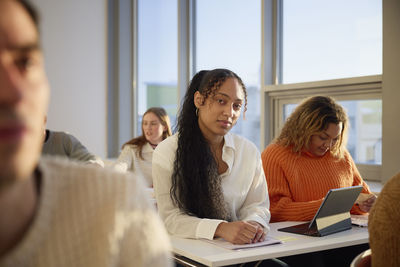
x: 129, y: 160
x: 90, y: 216
x: 243, y: 184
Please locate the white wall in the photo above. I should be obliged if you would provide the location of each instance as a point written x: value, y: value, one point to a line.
x: 73, y: 35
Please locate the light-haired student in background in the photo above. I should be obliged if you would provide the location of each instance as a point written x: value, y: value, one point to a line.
x: 55, y: 212
x: 209, y: 182
x: 137, y: 154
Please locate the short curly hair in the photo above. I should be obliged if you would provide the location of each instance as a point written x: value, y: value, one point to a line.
x: 312, y: 116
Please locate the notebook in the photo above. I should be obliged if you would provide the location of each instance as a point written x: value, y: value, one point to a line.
x: 359, y: 220
x: 332, y: 216
x: 225, y: 244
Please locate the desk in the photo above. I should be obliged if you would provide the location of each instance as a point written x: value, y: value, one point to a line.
x: 204, y: 253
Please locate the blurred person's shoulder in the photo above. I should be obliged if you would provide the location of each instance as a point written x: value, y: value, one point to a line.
x: 97, y: 213
x: 168, y: 145
x: 101, y: 183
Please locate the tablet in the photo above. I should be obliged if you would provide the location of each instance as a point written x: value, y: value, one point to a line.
x: 332, y: 216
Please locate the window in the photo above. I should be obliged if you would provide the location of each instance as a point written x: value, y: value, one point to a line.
x: 157, y: 57
x: 228, y: 35
x: 330, y: 49
x: 293, y: 49
x: 331, y: 39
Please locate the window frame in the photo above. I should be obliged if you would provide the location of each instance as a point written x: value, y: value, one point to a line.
x: 358, y: 88
x: 271, y: 27
x: 274, y: 94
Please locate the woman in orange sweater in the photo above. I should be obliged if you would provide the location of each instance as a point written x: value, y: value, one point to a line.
x: 308, y: 158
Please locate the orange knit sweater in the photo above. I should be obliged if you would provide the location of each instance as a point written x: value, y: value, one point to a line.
x: 297, y: 183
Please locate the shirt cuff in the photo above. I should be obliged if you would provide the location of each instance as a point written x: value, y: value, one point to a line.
x: 206, y: 228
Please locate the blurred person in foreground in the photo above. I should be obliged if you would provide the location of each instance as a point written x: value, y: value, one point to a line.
x: 55, y: 212
x: 384, y: 225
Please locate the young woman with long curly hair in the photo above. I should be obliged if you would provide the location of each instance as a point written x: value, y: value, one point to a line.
x: 210, y: 182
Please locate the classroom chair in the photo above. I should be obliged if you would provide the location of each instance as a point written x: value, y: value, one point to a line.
x: 362, y: 260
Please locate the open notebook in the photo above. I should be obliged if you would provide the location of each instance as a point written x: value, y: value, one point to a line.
x: 332, y: 216
x: 225, y: 244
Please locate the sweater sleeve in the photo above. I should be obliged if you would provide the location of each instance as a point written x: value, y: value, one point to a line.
x: 144, y: 239
x: 125, y: 160
x: 283, y: 206
x: 357, y: 180
x: 176, y: 222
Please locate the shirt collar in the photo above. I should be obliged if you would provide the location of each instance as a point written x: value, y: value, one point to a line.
x: 228, y: 152
x: 228, y: 138
x: 147, y: 148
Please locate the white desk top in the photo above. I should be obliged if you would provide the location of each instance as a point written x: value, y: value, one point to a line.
x: 211, y: 255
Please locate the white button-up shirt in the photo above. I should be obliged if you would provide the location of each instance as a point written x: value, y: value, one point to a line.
x: 244, y: 188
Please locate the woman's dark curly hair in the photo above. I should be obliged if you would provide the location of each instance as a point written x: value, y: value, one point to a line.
x: 196, y: 184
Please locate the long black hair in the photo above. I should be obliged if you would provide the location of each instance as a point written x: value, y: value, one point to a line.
x: 196, y: 184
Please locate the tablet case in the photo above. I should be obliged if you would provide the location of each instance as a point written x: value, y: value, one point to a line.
x: 332, y: 216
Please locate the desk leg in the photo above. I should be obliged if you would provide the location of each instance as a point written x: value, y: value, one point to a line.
x: 183, y: 261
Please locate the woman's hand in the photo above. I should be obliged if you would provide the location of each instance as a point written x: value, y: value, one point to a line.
x: 366, y: 205
x: 240, y: 232
x: 260, y: 235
